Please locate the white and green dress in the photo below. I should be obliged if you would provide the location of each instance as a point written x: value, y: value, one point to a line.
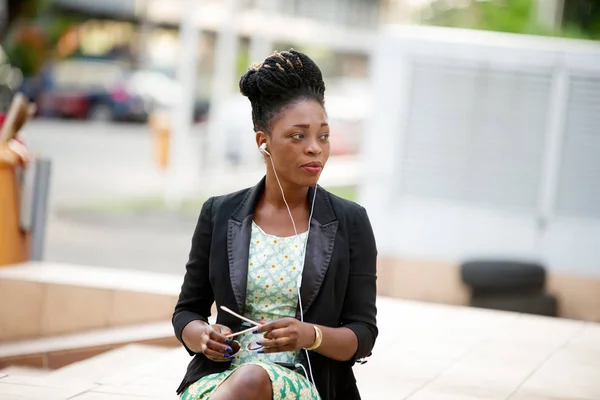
x: 274, y: 267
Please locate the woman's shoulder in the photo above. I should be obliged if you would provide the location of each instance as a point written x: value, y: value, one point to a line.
x: 230, y: 199
x: 343, y: 207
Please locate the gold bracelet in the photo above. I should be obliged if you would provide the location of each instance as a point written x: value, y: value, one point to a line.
x: 318, y: 339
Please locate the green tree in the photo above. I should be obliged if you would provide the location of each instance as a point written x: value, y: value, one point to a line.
x: 33, y: 31
x: 512, y: 16
x: 582, y: 16
x: 17, y: 10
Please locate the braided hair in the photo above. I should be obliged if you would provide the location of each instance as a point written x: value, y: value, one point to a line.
x: 280, y: 80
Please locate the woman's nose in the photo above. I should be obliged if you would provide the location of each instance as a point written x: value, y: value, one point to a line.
x: 313, y: 148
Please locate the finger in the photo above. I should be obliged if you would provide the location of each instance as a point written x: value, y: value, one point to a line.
x: 279, y: 349
x: 219, y: 347
x: 215, y: 335
x: 223, y: 330
x: 280, y: 323
x: 214, y: 350
x: 278, y: 343
x: 215, y: 355
x: 230, y: 335
x: 278, y: 333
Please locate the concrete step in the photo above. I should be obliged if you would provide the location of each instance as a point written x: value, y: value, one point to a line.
x: 57, y: 298
x: 61, y: 350
x: 111, y: 363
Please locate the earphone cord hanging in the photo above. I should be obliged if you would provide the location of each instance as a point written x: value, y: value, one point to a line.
x: 303, y: 254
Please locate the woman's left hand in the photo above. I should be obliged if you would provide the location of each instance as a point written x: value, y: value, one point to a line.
x: 286, y: 334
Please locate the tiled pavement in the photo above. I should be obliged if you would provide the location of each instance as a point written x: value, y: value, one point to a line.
x: 424, y: 352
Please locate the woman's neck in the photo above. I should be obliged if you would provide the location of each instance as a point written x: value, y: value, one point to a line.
x: 294, y: 195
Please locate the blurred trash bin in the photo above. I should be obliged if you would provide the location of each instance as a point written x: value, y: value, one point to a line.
x: 503, y: 276
x: 538, y: 304
x: 507, y: 285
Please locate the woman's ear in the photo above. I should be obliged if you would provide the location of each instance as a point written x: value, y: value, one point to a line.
x: 261, y: 138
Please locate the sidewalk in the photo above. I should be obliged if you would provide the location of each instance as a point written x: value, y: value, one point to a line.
x: 424, y: 352
x: 430, y: 351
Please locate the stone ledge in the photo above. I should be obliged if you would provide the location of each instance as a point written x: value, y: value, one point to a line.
x: 58, y: 351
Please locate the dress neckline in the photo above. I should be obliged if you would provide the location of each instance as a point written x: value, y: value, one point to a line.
x: 274, y: 236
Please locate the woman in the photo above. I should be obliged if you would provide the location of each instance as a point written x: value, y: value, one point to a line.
x: 286, y: 253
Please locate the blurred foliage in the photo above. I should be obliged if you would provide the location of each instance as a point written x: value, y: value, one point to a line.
x: 22, y: 10
x: 27, y: 51
x: 582, y: 15
x: 511, y: 16
x: 243, y: 61
x: 34, y: 31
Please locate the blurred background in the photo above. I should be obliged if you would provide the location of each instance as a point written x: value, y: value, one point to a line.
x: 469, y: 129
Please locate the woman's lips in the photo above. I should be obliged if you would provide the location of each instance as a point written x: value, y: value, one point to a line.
x: 313, y: 167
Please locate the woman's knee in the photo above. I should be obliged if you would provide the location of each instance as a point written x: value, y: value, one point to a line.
x: 251, y: 382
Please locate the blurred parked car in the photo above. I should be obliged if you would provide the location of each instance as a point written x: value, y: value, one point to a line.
x: 81, y: 88
x: 106, y: 91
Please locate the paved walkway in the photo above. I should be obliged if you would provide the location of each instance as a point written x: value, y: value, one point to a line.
x: 424, y: 352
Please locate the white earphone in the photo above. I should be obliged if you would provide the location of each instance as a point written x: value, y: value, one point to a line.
x: 263, y: 149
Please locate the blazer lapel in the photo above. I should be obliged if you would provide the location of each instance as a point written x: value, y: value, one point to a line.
x: 238, y: 243
x: 239, y: 230
x: 321, y: 239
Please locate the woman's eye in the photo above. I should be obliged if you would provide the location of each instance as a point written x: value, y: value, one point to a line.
x: 297, y: 136
x: 325, y: 136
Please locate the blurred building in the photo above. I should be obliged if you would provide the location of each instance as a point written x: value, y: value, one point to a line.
x: 484, y: 145
x: 345, y: 13
x: 338, y: 33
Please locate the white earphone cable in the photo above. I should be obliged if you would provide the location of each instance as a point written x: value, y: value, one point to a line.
x: 299, y: 283
x: 283, y: 195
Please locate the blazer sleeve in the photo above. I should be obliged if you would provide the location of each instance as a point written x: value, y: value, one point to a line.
x: 196, y: 296
x: 359, y: 312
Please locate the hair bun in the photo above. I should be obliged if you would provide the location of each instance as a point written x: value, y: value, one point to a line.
x: 249, y: 84
x: 279, y: 73
x: 279, y: 79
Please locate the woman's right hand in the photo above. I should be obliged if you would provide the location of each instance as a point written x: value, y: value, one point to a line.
x: 214, y: 345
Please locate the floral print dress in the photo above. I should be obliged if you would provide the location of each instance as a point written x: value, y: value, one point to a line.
x: 274, y: 269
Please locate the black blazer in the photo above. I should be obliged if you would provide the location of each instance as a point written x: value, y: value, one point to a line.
x: 338, y: 280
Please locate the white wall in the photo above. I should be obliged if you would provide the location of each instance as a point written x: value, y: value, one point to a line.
x: 485, y: 144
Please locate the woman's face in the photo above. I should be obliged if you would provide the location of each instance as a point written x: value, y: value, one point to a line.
x: 298, y: 142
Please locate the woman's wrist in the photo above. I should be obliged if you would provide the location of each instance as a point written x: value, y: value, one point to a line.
x: 317, y: 338
x: 309, y: 335
x: 192, y: 333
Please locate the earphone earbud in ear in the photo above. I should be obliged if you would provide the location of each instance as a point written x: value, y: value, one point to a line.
x: 263, y: 149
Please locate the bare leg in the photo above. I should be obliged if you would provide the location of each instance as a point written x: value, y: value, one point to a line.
x: 249, y: 382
